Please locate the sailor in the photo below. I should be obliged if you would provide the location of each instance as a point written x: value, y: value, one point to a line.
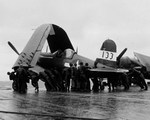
x: 64, y: 77
x: 125, y: 81
x: 87, y: 77
x: 72, y: 76
x: 58, y: 78
x: 75, y: 76
x: 50, y: 82
x: 22, y: 78
x: 144, y: 73
x: 112, y: 82
x: 68, y: 74
x: 82, y: 77
x: 140, y: 80
x: 12, y: 76
x: 95, y: 87
x: 34, y: 79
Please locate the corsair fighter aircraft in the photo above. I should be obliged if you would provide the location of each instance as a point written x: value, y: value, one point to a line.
x: 62, y: 52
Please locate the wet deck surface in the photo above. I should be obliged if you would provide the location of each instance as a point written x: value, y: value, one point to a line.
x: 118, y: 105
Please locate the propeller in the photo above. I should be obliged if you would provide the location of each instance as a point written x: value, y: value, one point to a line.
x: 120, y: 55
x: 11, y: 45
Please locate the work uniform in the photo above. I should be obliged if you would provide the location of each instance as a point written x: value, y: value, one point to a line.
x: 140, y: 79
x: 34, y: 80
x: 87, y: 84
x: 22, y: 78
x: 12, y: 76
x: 82, y: 77
x: 50, y: 83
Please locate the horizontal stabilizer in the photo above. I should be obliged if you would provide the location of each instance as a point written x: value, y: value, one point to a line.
x: 109, y: 70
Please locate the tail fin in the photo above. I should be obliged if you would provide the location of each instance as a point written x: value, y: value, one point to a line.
x: 108, y: 53
x: 109, y: 45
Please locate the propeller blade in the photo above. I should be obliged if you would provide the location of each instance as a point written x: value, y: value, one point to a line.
x: 11, y: 45
x: 121, y: 54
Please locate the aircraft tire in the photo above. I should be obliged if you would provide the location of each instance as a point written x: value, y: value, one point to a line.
x: 102, y: 87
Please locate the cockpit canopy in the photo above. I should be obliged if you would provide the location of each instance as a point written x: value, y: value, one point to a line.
x: 68, y: 53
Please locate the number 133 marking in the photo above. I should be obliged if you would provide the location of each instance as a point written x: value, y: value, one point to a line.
x: 108, y: 55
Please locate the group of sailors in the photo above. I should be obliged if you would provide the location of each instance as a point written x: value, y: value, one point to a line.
x: 73, y: 78
x: 138, y: 77
x: 133, y: 77
x: 20, y: 79
x: 70, y: 78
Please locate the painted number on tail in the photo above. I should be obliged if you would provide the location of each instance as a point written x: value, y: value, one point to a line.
x: 107, y: 55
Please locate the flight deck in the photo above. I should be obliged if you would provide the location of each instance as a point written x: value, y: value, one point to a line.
x: 118, y: 105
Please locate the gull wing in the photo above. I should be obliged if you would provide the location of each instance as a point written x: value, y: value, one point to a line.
x: 30, y: 54
x: 143, y: 59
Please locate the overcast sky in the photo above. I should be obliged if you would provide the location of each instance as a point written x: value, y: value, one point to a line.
x: 87, y: 22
